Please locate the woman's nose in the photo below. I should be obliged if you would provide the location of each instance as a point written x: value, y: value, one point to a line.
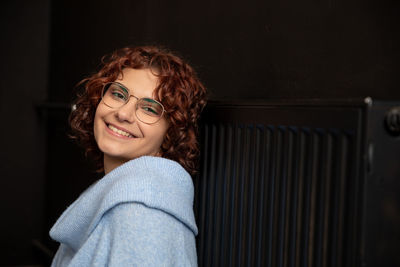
x: 128, y: 111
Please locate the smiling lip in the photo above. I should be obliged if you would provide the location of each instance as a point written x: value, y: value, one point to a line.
x: 116, y: 133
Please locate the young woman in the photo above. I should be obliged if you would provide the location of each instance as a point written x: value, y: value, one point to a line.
x: 138, y: 118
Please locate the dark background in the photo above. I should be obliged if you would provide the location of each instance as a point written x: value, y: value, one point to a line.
x: 241, y: 49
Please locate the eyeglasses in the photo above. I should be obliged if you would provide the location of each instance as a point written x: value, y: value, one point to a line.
x: 147, y: 110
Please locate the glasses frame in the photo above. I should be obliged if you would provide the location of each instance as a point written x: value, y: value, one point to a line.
x: 129, y: 98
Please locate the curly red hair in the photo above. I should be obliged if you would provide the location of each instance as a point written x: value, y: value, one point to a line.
x: 179, y: 90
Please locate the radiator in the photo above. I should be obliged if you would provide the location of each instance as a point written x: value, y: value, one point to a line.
x: 297, y: 184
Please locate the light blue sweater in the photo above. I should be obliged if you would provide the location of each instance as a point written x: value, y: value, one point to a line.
x: 139, y: 214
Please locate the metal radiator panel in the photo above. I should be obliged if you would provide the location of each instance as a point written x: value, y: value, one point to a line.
x: 271, y: 195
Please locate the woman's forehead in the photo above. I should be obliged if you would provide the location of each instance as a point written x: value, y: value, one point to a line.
x: 140, y: 82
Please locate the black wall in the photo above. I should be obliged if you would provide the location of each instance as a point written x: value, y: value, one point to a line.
x: 251, y: 49
x: 241, y: 49
x: 24, y: 28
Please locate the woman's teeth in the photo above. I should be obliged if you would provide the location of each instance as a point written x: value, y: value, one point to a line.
x: 118, y: 131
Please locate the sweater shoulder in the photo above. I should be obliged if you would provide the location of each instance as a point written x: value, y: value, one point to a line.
x: 154, y: 182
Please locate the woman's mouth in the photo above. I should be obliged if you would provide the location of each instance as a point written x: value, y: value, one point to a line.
x: 119, y: 131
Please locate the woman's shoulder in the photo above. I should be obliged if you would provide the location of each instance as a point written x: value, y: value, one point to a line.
x: 156, y: 183
x: 150, y: 175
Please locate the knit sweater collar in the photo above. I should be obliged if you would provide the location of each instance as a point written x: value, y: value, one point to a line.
x: 153, y: 181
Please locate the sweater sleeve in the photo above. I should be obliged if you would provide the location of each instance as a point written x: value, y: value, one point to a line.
x: 132, y: 234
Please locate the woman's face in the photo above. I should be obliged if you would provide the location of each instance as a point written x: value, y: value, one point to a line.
x: 118, y: 132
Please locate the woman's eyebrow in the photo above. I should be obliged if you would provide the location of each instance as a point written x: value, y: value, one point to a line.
x: 123, y: 87
x: 128, y: 91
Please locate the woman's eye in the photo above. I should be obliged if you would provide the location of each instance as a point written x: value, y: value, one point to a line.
x: 150, y: 110
x: 118, y: 95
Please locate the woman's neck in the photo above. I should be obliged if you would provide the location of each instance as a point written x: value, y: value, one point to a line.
x: 110, y: 163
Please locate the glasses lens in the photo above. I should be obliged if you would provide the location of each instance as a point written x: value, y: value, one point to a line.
x: 114, y: 95
x: 149, y: 110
